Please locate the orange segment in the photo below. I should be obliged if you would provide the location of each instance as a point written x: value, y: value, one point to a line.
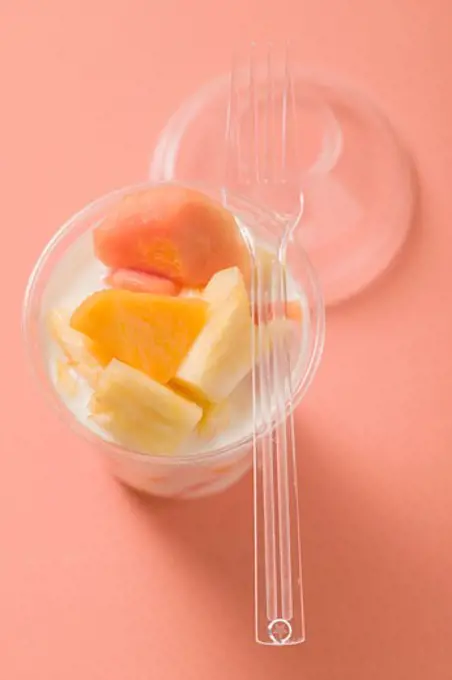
x: 151, y: 333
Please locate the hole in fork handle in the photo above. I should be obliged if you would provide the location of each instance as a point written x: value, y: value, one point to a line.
x: 280, y: 631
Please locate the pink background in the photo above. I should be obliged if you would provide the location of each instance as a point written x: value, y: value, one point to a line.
x: 95, y: 584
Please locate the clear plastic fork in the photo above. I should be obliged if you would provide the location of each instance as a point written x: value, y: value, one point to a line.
x: 261, y: 166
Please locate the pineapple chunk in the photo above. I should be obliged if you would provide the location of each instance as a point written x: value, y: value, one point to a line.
x: 66, y: 382
x: 215, y: 420
x: 221, y: 355
x: 77, y: 347
x: 140, y: 413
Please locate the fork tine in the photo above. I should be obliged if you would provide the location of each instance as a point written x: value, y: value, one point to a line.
x: 289, y: 151
x: 269, y: 117
x: 232, y: 154
x: 254, y: 169
x: 284, y: 104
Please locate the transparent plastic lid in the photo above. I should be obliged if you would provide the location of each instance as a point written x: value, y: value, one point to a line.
x: 356, y: 178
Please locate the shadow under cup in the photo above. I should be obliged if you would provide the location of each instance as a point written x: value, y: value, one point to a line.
x: 210, y: 470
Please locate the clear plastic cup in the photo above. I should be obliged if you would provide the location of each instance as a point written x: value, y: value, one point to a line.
x: 209, y: 470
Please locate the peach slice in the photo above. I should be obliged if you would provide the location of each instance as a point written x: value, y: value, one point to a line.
x: 174, y: 232
x: 140, y: 282
x: 151, y: 333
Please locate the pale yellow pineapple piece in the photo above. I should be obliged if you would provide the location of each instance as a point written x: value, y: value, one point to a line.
x: 216, y: 419
x: 66, y: 382
x: 220, y: 357
x: 76, y: 347
x: 140, y: 413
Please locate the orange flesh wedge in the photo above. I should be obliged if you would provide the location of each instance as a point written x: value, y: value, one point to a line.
x: 151, y: 333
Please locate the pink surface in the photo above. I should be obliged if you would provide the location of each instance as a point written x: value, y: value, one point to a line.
x: 95, y: 584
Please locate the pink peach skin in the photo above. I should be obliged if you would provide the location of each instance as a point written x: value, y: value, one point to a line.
x: 140, y: 282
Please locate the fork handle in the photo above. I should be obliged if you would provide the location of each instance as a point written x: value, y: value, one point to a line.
x: 279, y: 616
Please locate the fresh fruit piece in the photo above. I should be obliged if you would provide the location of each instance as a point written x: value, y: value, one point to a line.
x: 152, y: 333
x: 140, y: 282
x: 215, y: 419
x: 140, y: 413
x: 174, y: 232
x: 78, y: 349
x: 221, y: 355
